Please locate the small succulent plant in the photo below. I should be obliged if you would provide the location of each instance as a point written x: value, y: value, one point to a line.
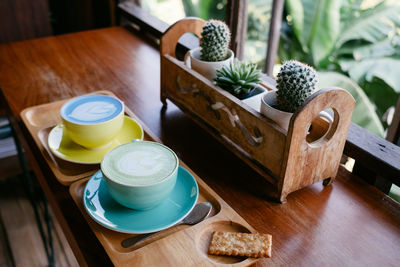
x: 239, y: 78
x: 295, y: 83
x: 214, y: 42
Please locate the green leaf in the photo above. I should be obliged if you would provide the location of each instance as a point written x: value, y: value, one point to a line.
x: 251, y: 85
x: 236, y: 89
x: 204, y: 8
x: 372, y: 24
x: 364, y: 111
x: 349, y: 11
x: 225, y: 79
x: 326, y: 30
x: 386, y: 69
x: 381, y: 94
x: 290, y: 47
x: 347, y: 49
x: 385, y: 48
x: 301, y: 28
x: 316, y: 25
x: 190, y: 9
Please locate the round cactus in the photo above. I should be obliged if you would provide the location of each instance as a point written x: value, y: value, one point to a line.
x: 214, y: 42
x: 296, y: 82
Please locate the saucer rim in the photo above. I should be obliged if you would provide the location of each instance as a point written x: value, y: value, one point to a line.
x: 177, y: 220
x: 59, y: 155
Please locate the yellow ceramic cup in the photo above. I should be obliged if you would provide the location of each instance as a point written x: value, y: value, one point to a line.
x: 93, y: 121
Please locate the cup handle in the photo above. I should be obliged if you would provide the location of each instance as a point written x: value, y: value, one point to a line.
x: 186, y: 59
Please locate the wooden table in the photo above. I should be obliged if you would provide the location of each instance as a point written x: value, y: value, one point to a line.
x: 347, y: 224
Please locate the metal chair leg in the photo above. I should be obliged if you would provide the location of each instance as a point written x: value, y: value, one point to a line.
x: 33, y: 195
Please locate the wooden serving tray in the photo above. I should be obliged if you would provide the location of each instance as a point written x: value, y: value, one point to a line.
x: 41, y: 119
x: 181, y: 245
x: 176, y: 246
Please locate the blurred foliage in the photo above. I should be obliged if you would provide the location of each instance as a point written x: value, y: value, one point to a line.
x: 205, y: 9
x: 259, y: 15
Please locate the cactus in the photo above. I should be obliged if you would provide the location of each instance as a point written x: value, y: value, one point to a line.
x: 214, y: 42
x: 238, y: 78
x: 296, y: 82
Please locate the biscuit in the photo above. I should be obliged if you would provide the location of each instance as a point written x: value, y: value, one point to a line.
x: 240, y: 244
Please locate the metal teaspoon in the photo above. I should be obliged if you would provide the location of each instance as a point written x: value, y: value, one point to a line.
x: 199, y: 213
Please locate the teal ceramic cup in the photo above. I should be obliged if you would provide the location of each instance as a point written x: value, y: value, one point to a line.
x: 93, y: 121
x: 141, y: 174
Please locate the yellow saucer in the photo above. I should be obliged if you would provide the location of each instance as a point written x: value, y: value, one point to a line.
x: 64, y: 148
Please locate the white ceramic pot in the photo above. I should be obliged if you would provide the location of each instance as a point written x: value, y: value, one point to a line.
x: 282, y: 118
x: 206, y: 68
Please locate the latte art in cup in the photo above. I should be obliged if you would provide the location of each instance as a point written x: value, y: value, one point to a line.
x: 95, y: 111
x: 92, y: 109
x: 139, y: 163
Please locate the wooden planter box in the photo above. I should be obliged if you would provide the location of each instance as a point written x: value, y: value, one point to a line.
x: 289, y: 160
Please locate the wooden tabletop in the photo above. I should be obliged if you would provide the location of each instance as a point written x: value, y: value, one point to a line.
x: 347, y: 224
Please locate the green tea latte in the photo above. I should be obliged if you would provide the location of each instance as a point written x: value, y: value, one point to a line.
x: 139, y: 163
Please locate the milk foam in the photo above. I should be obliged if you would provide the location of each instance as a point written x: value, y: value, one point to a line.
x: 93, y: 111
x: 139, y: 163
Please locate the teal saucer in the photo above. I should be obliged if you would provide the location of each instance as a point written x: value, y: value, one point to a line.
x: 107, y: 212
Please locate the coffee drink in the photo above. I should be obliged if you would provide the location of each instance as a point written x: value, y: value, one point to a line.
x: 140, y: 174
x: 139, y: 163
x: 93, y: 121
